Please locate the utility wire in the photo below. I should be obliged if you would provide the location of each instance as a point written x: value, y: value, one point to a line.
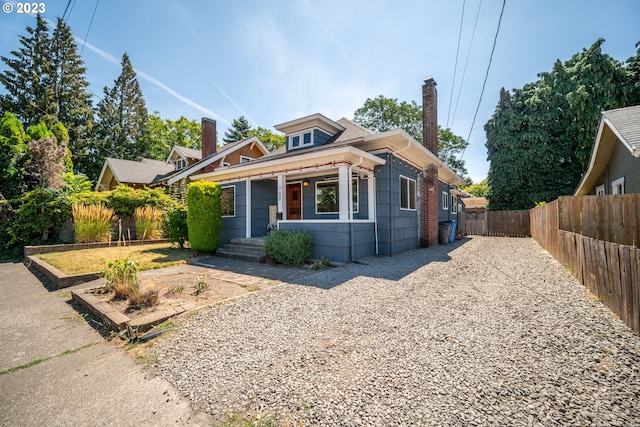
x: 455, y: 67
x: 486, y: 76
x: 89, y: 29
x: 466, y: 63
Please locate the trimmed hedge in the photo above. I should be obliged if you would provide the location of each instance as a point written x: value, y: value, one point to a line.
x: 204, y: 216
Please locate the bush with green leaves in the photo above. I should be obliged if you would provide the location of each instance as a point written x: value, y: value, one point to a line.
x: 174, y: 225
x: 204, y: 216
x: 38, y: 218
x: 124, y: 200
x: 290, y: 247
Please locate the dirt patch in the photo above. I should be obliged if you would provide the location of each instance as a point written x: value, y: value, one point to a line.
x: 176, y: 287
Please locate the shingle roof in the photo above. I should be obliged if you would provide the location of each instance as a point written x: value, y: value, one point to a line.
x: 142, y: 172
x: 189, y: 153
x: 474, y: 202
x: 352, y: 130
x: 627, y: 123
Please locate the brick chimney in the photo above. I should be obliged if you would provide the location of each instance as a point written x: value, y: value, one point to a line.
x: 208, y: 140
x: 430, y: 115
x: 428, y: 178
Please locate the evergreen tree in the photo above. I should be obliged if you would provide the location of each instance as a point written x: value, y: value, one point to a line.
x: 540, y: 137
x: 239, y: 130
x: 121, y: 125
x: 28, y: 79
x: 73, y: 105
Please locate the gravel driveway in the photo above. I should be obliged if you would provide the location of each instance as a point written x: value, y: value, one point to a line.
x: 486, y: 331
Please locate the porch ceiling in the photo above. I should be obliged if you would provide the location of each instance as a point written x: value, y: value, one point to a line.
x: 304, y: 163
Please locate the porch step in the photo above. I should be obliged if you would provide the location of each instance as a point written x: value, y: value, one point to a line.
x: 244, y: 249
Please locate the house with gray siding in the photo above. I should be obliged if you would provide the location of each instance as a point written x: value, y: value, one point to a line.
x: 358, y: 193
x: 614, y: 166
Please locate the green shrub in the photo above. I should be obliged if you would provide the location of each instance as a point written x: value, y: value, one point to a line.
x: 204, y: 216
x: 122, y: 278
x: 174, y: 225
x: 290, y: 247
x: 92, y: 223
x: 38, y: 218
x: 148, y: 222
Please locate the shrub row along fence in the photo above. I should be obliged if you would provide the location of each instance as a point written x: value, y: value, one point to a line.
x: 596, y: 237
x: 496, y: 223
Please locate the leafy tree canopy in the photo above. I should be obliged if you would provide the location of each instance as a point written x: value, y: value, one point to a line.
x: 382, y: 114
x: 270, y: 139
x: 540, y: 136
x: 480, y: 189
x: 163, y: 134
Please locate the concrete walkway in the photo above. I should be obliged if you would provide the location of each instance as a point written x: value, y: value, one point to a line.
x: 63, y: 373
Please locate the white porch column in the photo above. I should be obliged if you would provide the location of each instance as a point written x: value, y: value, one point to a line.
x: 343, y: 192
x: 371, y: 195
x: 248, y: 213
x: 282, y: 195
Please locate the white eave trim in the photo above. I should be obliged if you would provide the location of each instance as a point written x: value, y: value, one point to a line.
x: 449, y: 176
x: 291, y: 163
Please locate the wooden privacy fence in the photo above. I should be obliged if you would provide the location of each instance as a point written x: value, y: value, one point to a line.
x: 497, y: 223
x: 607, y: 268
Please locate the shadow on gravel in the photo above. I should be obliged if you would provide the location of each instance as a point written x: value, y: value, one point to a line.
x: 381, y: 267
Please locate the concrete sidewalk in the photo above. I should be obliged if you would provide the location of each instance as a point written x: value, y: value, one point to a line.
x: 83, y: 380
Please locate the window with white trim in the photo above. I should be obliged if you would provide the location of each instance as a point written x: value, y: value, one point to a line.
x: 600, y: 190
x: 454, y: 205
x: 223, y: 164
x: 445, y: 201
x: 299, y: 140
x: 327, y: 197
x: 407, y: 193
x: 228, y: 201
x: 246, y: 159
x: 617, y: 186
x: 181, y: 164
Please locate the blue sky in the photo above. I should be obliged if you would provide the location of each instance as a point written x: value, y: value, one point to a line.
x: 277, y: 60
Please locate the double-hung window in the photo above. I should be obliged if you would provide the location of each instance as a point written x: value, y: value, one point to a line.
x: 445, y: 201
x: 407, y: 193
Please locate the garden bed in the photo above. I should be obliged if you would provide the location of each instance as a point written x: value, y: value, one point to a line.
x: 177, y: 294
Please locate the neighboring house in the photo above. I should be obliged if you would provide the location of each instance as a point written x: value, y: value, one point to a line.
x: 357, y: 192
x: 180, y: 163
x: 614, y: 167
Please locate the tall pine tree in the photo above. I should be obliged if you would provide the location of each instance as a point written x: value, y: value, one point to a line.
x: 239, y: 130
x: 28, y: 79
x: 121, y: 124
x: 73, y: 105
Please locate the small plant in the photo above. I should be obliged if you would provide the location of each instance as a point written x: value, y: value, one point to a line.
x: 201, y: 285
x: 122, y: 278
x: 289, y: 247
x: 174, y: 225
x: 92, y: 223
x: 176, y: 290
x: 148, y: 222
x: 139, y: 299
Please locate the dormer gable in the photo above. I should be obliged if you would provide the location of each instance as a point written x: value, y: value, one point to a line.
x: 183, y: 157
x: 309, y: 131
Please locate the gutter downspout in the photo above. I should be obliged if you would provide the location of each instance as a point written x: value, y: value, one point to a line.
x: 351, y: 204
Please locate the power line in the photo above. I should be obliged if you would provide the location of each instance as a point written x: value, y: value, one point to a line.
x: 466, y: 63
x: 486, y: 76
x: 89, y: 29
x: 455, y: 67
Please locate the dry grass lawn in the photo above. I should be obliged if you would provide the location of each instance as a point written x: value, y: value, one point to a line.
x: 91, y: 260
